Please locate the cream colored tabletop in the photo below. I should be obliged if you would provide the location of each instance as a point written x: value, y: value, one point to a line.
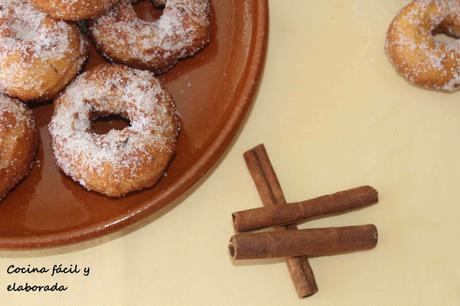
x: 333, y: 114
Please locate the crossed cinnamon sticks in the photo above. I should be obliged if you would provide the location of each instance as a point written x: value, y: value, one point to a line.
x: 286, y: 240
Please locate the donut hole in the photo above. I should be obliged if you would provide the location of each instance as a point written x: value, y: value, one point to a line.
x: 445, y: 38
x: 147, y: 11
x: 444, y: 33
x: 103, y: 123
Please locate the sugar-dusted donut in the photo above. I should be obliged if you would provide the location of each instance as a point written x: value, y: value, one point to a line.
x: 73, y: 9
x: 120, y: 161
x: 181, y: 31
x: 18, y: 143
x: 416, y: 54
x: 39, y: 55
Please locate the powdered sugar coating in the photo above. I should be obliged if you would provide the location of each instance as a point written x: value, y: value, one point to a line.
x: 73, y: 9
x: 120, y: 161
x: 13, y: 115
x: 17, y: 110
x: 416, y: 54
x: 181, y: 31
x: 38, y: 55
x: 18, y: 142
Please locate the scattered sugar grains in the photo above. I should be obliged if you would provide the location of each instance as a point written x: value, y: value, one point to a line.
x: 167, y: 34
x: 431, y: 54
x: 23, y: 34
x: 73, y: 9
x: 15, y: 109
x: 135, y: 94
x: 70, y: 3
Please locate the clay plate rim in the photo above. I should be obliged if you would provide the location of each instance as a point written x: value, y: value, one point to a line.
x: 254, y: 68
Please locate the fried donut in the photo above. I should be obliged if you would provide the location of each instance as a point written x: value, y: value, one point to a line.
x: 39, y: 55
x: 181, y: 31
x: 18, y: 143
x: 73, y: 9
x: 416, y: 54
x: 120, y: 161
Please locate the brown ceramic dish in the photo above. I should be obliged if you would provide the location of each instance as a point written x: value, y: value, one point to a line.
x: 213, y: 92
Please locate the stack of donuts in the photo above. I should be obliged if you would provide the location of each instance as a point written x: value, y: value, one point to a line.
x: 43, y: 50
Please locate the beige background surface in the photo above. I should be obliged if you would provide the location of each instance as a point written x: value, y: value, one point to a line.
x: 333, y: 114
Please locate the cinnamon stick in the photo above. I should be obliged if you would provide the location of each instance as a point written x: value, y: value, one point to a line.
x: 310, y: 242
x: 271, y: 194
x: 292, y: 213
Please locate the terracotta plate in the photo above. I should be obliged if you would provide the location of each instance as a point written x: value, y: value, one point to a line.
x: 213, y: 91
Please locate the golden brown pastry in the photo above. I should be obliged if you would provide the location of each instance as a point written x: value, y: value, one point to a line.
x: 39, y: 55
x: 414, y: 51
x: 181, y: 31
x: 120, y: 161
x: 73, y: 9
x: 18, y: 143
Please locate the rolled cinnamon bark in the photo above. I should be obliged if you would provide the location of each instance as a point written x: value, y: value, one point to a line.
x: 292, y: 213
x: 309, y: 242
x: 271, y: 194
